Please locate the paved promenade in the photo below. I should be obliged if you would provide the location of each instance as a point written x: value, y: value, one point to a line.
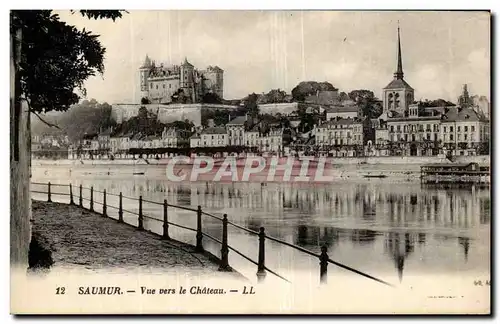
x: 81, y: 239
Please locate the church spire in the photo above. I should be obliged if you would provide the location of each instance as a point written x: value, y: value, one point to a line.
x: 399, y: 72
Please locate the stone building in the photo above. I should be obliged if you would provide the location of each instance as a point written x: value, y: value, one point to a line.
x: 398, y: 94
x: 159, y: 83
x: 236, y: 130
x: 409, y: 128
x: 214, y: 137
x: 348, y: 111
x: 341, y: 131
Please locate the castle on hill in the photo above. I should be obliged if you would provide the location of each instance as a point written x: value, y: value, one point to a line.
x: 164, y: 84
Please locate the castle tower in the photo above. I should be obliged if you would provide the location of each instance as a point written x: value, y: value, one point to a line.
x: 398, y: 94
x: 214, y: 80
x: 186, y: 74
x: 143, y: 75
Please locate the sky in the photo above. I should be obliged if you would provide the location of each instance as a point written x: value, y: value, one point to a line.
x: 264, y: 50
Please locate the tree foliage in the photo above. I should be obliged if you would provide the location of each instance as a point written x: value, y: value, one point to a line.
x: 220, y: 117
x: 250, y: 105
x: 436, y: 103
x: 211, y: 98
x: 56, y: 58
x: 307, y: 88
x: 86, y: 117
x: 274, y: 96
x: 370, y: 105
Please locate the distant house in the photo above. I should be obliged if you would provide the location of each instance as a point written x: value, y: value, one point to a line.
x: 351, y: 111
x: 194, y: 141
x: 323, y: 98
x: 236, y: 130
x: 214, y: 137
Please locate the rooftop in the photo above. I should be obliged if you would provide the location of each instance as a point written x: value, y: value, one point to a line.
x: 398, y: 84
x: 214, y: 130
x: 341, y: 109
x: 466, y: 114
x: 342, y: 121
x: 240, y: 120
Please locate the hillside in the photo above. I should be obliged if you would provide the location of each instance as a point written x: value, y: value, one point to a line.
x: 85, y: 117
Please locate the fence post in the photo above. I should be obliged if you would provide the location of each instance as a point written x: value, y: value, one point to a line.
x: 261, y: 267
x: 81, y: 198
x: 224, y: 251
x: 140, y: 224
x: 165, y: 220
x: 92, y: 198
x: 71, y: 202
x: 199, y: 234
x: 323, y: 265
x: 120, y: 209
x: 104, y: 208
x: 49, y: 199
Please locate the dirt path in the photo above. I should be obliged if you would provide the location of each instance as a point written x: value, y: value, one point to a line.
x: 81, y: 239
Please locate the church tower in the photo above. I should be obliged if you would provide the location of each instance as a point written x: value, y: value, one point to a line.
x: 398, y: 95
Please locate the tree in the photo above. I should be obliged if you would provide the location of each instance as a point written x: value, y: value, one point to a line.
x: 436, y: 103
x: 145, y: 101
x: 275, y: 96
x: 49, y: 60
x: 307, y: 88
x: 250, y: 105
x: 211, y: 98
x: 366, y: 100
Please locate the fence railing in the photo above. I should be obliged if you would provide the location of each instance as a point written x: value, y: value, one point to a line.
x: 262, y: 269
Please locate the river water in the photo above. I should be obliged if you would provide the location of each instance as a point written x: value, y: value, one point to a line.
x: 391, y: 230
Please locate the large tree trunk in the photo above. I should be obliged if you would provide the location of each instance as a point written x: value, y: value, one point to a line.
x: 20, y: 163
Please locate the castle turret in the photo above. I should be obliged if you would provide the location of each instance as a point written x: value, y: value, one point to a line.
x: 187, y: 81
x: 144, y: 74
x: 214, y: 80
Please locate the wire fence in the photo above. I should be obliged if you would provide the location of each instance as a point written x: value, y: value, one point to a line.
x: 78, y: 199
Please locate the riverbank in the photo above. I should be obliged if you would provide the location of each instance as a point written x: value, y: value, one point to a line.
x: 77, y: 239
x: 373, y: 160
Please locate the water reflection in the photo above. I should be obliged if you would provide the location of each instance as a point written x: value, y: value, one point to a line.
x: 396, y: 228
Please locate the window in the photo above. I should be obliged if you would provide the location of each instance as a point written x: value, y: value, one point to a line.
x: 472, y: 129
x: 421, y: 128
x: 212, y: 137
x: 428, y: 127
x: 459, y: 137
x: 458, y: 128
x: 451, y: 129
x: 156, y: 87
x: 444, y: 129
x: 435, y: 136
x: 163, y: 86
x: 413, y: 137
x: 169, y: 85
x: 451, y: 137
x: 466, y: 129
x: 428, y: 136
x: 392, y: 128
x: 151, y: 86
x: 406, y: 137
x: 399, y: 128
x: 465, y: 137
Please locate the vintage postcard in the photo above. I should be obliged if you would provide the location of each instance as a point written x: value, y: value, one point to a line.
x: 250, y: 162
